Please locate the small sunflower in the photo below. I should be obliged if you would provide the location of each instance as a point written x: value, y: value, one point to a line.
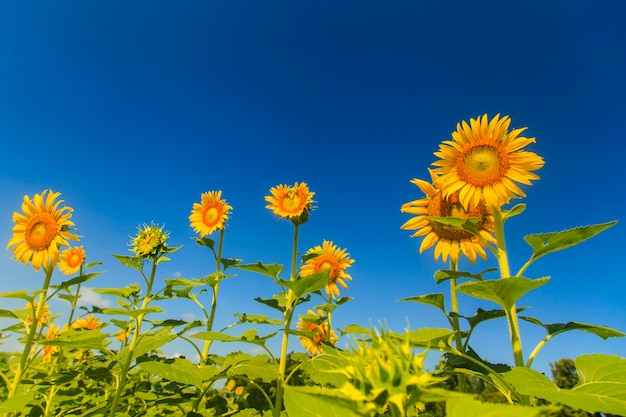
x: 88, y: 323
x: 449, y: 241
x: 329, y: 257
x: 41, y: 230
x: 49, y: 350
x: 210, y: 214
x: 44, y: 315
x: 71, y: 260
x: 150, y: 241
x: 317, y: 325
x: 485, y: 161
x: 291, y: 202
x: 121, y: 335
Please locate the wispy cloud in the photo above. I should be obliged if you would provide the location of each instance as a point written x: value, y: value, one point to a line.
x: 90, y: 298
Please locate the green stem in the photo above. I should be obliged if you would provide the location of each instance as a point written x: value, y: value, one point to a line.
x: 282, y: 365
x: 511, y: 313
x: 209, y: 325
x: 458, y: 339
x: 135, y: 340
x: 30, y: 337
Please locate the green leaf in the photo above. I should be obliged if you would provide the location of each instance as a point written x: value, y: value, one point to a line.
x: 179, y: 370
x: 78, y: 280
x: 316, y: 402
x: 135, y: 262
x: 545, y: 243
x: 310, y: 283
x: 484, y: 315
x: 435, y: 300
x: 461, y: 362
x: 504, y: 292
x: 556, y: 328
x: 257, y: 319
x: 248, y: 336
x: 355, y: 329
x: 79, y: 339
x: 152, y: 341
x: 7, y: 314
x: 206, y: 241
x: 465, y: 407
x: 514, y: 211
x: 17, y: 402
x: 254, y: 367
x: 228, y: 262
x: 17, y: 294
x: 270, y: 270
x: 469, y: 224
x: 277, y: 302
x: 444, y: 275
x: 131, y: 313
x: 427, y: 336
x: 324, y: 368
x: 123, y: 292
x: 601, y: 384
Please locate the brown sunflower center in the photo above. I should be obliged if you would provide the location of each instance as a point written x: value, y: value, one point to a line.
x: 483, y: 164
x: 211, y: 216
x: 327, y: 262
x: 41, y: 230
x: 451, y: 207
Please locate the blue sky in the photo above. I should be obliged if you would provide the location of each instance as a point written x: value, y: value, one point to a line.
x: 133, y: 109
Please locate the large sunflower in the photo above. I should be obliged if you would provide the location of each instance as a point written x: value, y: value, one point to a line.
x: 210, y: 214
x: 485, y: 161
x: 319, y: 333
x: 329, y: 257
x: 291, y: 202
x: 71, y: 260
x: 449, y: 241
x: 41, y: 230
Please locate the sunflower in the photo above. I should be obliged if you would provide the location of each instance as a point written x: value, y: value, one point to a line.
x: 317, y: 326
x: 289, y: 202
x: 210, y: 214
x: 89, y: 323
x: 485, y: 161
x: 328, y: 257
x: 121, y: 335
x: 49, y: 350
x: 71, y: 260
x: 449, y: 241
x: 150, y: 241
x: 44, y: 315
x: 41, y: 230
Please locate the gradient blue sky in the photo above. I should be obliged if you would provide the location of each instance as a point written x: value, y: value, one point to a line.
x: 133, y: 109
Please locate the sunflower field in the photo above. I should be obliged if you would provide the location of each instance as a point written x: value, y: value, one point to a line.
x: 109, y: 361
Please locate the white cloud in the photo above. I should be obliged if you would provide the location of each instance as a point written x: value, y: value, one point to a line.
x: 90, y: 298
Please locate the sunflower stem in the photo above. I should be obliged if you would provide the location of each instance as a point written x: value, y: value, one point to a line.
x: 135, y: 340
x: 454, y: 301
x: 282, y: 365
x: 209, y: 325
x: 503, y: 262
x: 32, y: 330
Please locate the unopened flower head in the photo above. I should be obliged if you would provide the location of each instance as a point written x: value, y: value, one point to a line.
x: 448, y: 241
x: 41, y: 230
x: 210, y: 214
x: 291, y: 202
x: 484, y: 161
x: 71, y: 260
x: 150, y: 241
x: 328, y: 257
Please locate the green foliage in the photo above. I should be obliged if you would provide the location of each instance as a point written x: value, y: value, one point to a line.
x: 601, y: 386
x: 504, y: 292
